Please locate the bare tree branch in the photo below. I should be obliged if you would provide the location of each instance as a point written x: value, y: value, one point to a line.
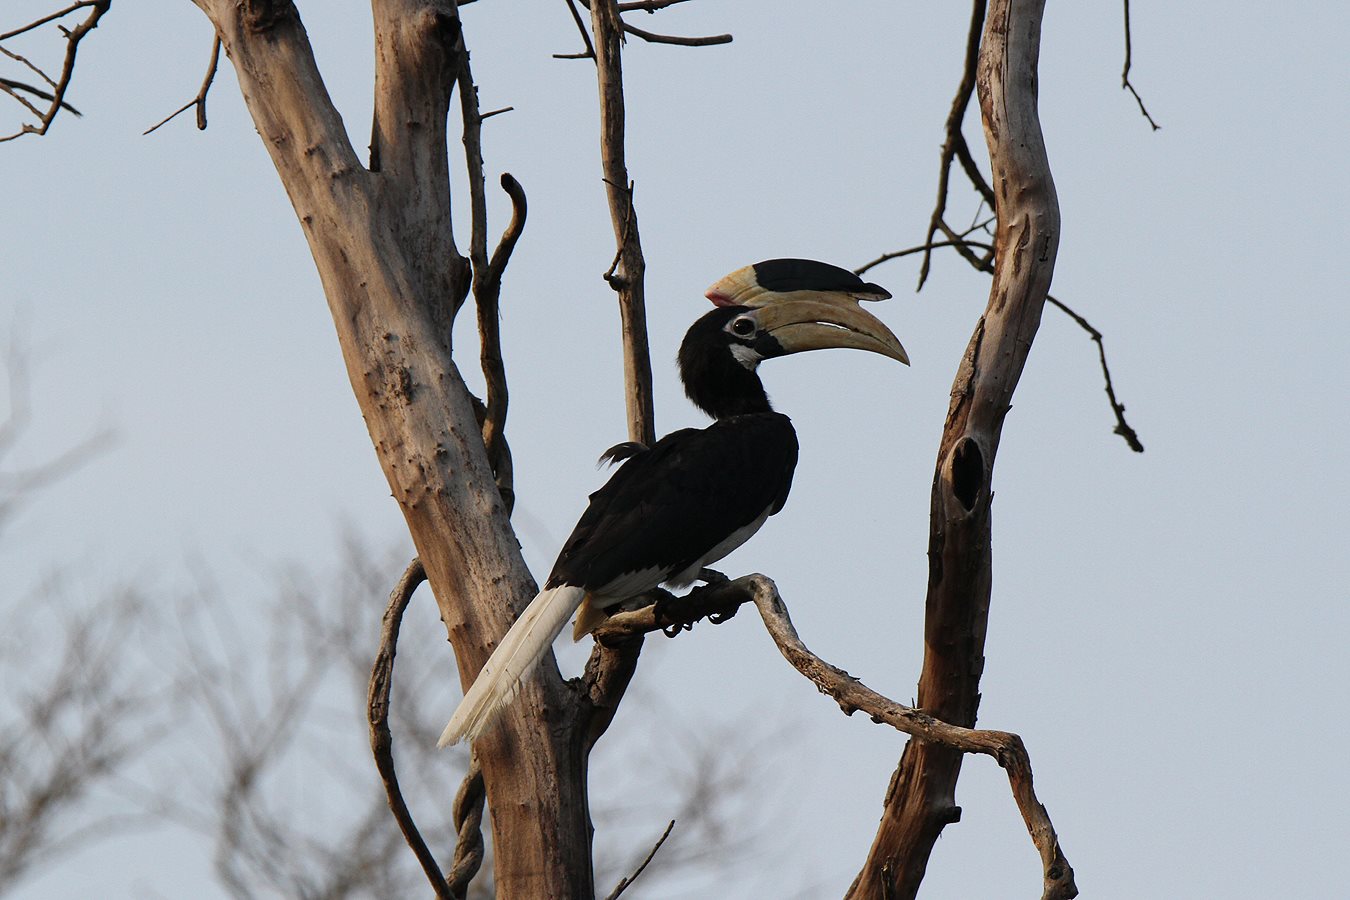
x: 60, y: 84
x: 1122, y: 427
x: 921, y: 800
x: 1125, y: 72
x: 198, y: 101
x: 653, y: 38
x: 647, y: 6
x: 589, y: 52
x: 626, y: 276
x: 487, y: 283
x: 625, y: 882
x: 72, y: 721
x: 962, y: 243
x: 956, y: 140
x: 852, y: 695
x: 381, y: 740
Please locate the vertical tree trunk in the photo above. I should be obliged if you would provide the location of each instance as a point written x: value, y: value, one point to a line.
x: 382, y: 242
x: 921, y: 799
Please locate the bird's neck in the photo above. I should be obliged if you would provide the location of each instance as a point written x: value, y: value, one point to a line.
x: 721, y: 386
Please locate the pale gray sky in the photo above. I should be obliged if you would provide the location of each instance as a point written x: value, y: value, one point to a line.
x: 1167, y: 630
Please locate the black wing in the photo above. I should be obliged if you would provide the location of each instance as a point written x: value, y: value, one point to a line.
x: 669, y: 505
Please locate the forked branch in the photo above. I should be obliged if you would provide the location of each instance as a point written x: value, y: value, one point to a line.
x: 56, y: 97
x: 647, y: 6
x: 725, y: 597
x: 1125, y: 72
x: 487, y: 282
x: 198, y: 102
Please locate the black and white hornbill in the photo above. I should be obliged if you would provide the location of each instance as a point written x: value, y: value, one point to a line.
x: 696, y: 494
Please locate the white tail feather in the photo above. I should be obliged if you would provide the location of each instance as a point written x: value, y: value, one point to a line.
x: 523, y: 645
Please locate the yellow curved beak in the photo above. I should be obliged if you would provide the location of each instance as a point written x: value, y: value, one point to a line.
x: 824, y: 321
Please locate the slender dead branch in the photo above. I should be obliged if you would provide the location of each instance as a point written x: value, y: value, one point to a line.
x: 921, y: 800
x: 625, y: 882
x: 627, y: 277
x: 647, y: 6
x: 611, y: 665
x: 15, y: 88
x: 589, y: 52
x: 962, y: 243
x: 653, y: 38
x: 73, y: 36
x: 852, y: 696
x: 51, y: 17
x: 381, y: 739
x: 1122, y: 427
x: 719, y: 600
x: 487, y: 283
x: 956, y: 141
x: 1125, y: 72
x: 198, y: 101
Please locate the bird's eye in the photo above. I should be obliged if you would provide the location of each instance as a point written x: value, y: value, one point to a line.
x: 743, y: 326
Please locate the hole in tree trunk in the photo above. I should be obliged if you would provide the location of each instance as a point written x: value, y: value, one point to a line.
x: 967, y: 472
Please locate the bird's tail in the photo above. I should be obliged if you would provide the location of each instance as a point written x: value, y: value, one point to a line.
x: 524, y: 644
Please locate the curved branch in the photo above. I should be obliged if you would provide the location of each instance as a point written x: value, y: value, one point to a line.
x: 852, y: 696
x: 487, y: 284
x: 381, y: 739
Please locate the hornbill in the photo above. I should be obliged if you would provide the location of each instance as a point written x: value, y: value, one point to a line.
x: 696, y: 494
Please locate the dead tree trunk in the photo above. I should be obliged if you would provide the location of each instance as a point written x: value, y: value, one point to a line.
x: 921, y: 799
x: 382, y: 241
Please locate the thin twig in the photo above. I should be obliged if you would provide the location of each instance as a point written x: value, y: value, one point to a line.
x: 653, y: 38
x: 962, y: 245
x: 955, y: 143
x: 585, y: 36
x: 1125, y: 72
x: 625, y: 882
x: 9, y: 86
x: 198, y: 101
x: 59, y: 86
x: 1122, y: 427
x: 381, y: 740
x: 50, y: 17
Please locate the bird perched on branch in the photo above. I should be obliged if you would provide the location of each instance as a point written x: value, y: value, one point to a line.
x: 696, y: 494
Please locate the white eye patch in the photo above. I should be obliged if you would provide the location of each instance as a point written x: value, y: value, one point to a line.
x: 746, y: 356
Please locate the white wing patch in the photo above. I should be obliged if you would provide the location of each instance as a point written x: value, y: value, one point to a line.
x: 626, y: 586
